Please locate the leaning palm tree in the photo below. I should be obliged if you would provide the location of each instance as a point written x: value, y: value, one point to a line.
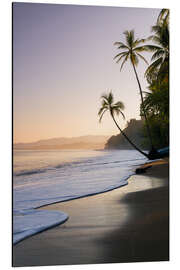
x: 131, y: 51
x: 115, y: 108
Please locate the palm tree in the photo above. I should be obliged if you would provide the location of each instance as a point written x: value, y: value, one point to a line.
x: 115, y: 108
x: 160, y: 51
x: 132, y: 52
x: 156, y: 102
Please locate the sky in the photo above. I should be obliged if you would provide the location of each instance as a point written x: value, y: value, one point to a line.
x: 63, y: 63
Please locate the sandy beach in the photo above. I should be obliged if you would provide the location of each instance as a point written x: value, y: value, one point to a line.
x: 128, y: 224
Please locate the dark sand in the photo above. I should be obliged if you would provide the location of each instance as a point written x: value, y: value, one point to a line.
x: 129, y: 224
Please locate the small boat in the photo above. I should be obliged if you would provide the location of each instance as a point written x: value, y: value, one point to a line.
x: 159, y: 153
x: 164, y: 152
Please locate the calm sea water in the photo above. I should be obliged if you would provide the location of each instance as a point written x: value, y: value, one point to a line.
x: 45, y: 177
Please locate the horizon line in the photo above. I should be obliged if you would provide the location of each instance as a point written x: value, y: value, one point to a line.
x: 65, y: 137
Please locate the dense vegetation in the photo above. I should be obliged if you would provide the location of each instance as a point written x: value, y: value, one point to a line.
x: 153, y: 130
x: 156, y: 101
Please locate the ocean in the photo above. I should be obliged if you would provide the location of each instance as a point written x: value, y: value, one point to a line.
x: 45, y: 177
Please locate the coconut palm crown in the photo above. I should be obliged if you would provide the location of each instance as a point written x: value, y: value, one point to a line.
x: 108, y: 105
x: 132, y: 49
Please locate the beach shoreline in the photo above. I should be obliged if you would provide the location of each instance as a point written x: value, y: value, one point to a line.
x: 128, y: 224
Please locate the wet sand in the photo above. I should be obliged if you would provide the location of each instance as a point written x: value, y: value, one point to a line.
x: 128, y: 224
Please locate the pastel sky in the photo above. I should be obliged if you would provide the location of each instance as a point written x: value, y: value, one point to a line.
x: 63, y: 62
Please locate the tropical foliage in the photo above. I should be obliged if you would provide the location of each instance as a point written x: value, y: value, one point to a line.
x: 160, y: 49
x: 156, y: 102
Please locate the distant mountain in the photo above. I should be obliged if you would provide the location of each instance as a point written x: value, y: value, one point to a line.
x: 134, y: 131
x: 82, y: 142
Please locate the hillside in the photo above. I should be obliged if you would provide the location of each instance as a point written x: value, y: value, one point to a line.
x: 82, y: 142
x: 134, y: 131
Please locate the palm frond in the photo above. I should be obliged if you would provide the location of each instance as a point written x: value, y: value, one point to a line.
x: 152, y: 48
x: 105, y: 103
x: 125, y: 59
x: 143, y: 58
x: 118, y: 111
x: 123, y: 55
x: 119, y: 54
x: 129, y: 35
x: 138, y: 41
x: 110, y: 98
x: 131, y: 38
x: 157, y: 40
x: 149, y: 38
x: 153, y: 66
x: 156, y: 28
x: 101, y: 110
x: 163, y: 15
x: 104, y: 98
x: 140, y: 49
x: 120, y: 105
x: 122, y: 114
x: 157, y: 54
x: 126, y: 33
x: 101, y: 115
x: 121, y: 45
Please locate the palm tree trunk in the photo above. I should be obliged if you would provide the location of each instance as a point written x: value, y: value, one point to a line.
x: 133, y: 145
x: 146, y: 120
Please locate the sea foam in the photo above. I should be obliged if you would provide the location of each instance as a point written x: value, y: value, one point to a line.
x: 86, y: 175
